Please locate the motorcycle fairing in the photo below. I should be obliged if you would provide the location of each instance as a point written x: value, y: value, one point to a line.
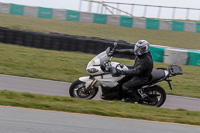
x: 87, y: 80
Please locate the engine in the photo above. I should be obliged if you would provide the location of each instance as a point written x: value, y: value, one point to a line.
x: 110, y: 93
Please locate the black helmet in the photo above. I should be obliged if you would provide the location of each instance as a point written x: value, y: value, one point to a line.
x: 141, y: 47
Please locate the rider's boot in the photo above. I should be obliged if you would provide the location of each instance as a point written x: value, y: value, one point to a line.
x: 131, y: 96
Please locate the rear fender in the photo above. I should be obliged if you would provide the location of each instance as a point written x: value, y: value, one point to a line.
x: 87, y: 80
x: 166, y: 73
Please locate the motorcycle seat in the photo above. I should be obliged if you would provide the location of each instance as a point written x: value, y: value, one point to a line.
x: 156, y: 75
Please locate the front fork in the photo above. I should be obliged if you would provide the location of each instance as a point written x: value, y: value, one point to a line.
x: 91, y: 85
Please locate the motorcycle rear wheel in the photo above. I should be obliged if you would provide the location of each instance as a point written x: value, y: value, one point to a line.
x: 157, y: 94
x: 78, y: 90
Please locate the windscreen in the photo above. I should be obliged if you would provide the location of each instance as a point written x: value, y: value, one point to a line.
x: 99, y: 59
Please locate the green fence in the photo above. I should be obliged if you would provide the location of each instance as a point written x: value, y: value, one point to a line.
x: 45, y: 12
x: 73, y: 15
x: 197, y: 27
x: 100, y: 18
x: 17, y: 9
x: 126, y: 21
x: 193, y: 58
x: 157, y: 54
x: 152, y: 23
x: 178, y: 25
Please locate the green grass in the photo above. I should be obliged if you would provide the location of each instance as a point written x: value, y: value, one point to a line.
x: 158, y: 37
x: 114, y: 109
x: 69, y: 66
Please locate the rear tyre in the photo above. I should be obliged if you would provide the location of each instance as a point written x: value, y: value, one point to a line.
x: 78, y: 90
x: 156, y: 96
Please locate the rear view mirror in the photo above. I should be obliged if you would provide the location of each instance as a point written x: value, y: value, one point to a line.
x: 115, y: 44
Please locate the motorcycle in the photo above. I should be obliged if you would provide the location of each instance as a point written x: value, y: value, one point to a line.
x: 103, y: 75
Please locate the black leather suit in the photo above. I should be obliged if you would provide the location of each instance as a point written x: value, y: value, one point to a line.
x: 139, y: 73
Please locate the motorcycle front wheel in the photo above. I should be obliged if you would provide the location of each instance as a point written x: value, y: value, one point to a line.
x: 156, y: 96
x: 78, y: 90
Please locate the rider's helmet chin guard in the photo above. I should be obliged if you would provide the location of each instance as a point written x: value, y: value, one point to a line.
x: 141, y: 47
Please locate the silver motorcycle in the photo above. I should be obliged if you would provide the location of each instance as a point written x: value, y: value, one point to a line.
x: 103, y: 75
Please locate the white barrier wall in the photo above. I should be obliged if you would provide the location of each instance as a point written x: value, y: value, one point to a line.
x: 113, y: 20
x: 139, y: 23
x: 145, y: 23
x: 4, y: 8
x: 59, y: 14
x: 165, y: 25
x: 176, y: 56
x: 31, y: 11
x: 86, y: 17
x: 190, y: 27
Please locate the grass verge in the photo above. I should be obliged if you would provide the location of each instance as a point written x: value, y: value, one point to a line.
x: 103, y: 108
x: 158, y: 37
x: 69, y: 66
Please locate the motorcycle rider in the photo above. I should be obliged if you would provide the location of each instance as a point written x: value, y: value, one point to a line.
x: 140, y: 72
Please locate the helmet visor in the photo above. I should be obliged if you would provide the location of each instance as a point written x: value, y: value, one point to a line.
x: 139, y: 50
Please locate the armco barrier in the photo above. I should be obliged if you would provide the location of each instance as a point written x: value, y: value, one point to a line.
x: 100, y: 18
x: 45, y: 12
x: 17, y: 9
x: 152, y: 24
x: 125, y: 21
x: 73, y: 15
x: 86, y: 17
x: 94, y: 45
x: 139, y: 23
x: 176, y: 56
x: 113, y: 20
x: 31, y: 11
x: 59, y: 14
x: 194, y: 58
x: 4, y: 8
x: 157, y: 53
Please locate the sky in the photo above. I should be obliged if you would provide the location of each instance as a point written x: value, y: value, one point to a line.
x: 138, y: 10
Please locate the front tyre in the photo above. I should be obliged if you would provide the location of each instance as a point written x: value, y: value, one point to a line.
x: 156, y: 96
x: 78, y: 90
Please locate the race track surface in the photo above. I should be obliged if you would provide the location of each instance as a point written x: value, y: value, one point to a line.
x: 20, y: 120
x: 56, y: 88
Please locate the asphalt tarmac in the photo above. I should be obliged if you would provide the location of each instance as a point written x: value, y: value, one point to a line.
x: 56, y: 88
x: 20, y: 120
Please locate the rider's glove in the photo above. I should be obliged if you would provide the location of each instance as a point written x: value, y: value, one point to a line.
x: 120, y: 72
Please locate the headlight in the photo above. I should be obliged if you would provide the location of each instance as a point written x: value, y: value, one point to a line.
x: 92, y: 70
